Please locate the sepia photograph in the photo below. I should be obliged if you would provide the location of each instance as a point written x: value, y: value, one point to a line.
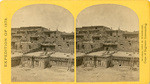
x: 42, y: 44
x: 107, y: 44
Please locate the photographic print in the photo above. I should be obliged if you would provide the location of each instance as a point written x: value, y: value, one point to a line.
x: 107, y: 46
x: 42, y: 44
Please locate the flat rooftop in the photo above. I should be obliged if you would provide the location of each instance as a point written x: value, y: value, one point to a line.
x: 48, y: 44
x: 115, y: 54
x: 79, y: 54
x: 44, y: 54
x: 16, y: 54
x: 126, y: 54
x: 101, y: 53
x: 38, y: 54
x: 62, y: 55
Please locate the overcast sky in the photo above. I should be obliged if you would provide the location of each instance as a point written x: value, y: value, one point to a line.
x: 114, y: 16
x: 49, y: 16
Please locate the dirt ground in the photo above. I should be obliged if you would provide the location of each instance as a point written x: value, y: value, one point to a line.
x: 112, y: 74
x: 53, y: 74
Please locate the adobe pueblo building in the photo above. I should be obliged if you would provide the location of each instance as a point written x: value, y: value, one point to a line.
x: 103, y: 46
x: 40, y: 47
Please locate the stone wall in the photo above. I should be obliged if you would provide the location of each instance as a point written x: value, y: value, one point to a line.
x: 96, y: 35
x: 28, y: 39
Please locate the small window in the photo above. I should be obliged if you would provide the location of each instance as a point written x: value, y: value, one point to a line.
x: 107, y: 48
x: 110, y: 34
x: 49, y: 35
x: 91, y: 46
x: 82, y: 46
x: 68, y: 45
x: 20, y: 46
x: 29, y: 46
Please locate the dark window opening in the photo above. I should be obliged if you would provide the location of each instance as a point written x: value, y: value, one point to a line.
x: 110, y: 34
x: 20, y: 46
x: 82, y: 46
x: 107, y: 48
x: 68, y: 45
x: 48, y: 35
x: 96, y: 38
x: 44, y: 49
x: 91, y: 46
x: 29, y: 46
x: 34, y: 39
